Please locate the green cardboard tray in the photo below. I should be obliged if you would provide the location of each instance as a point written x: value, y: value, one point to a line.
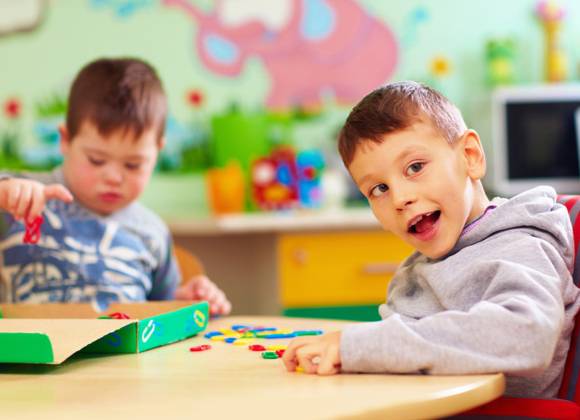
x: 51, y: 333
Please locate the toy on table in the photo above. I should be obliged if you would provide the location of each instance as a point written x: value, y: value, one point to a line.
x: 32, y: 233
x: 246, y: 334
x: 202, y: 347
x: 551, y: 17
x: 285, y: 180
x: 115, y: 315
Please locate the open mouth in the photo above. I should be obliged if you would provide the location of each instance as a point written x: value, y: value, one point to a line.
x: 423, y: 222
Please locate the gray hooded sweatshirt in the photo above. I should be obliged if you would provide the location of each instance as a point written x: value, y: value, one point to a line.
x: 502, y: 300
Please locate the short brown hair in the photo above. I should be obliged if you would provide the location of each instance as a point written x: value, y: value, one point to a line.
x: 395, y: 107
x: 113, y: 94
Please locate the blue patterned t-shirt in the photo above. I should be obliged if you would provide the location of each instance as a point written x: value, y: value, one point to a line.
x: 83, y: 257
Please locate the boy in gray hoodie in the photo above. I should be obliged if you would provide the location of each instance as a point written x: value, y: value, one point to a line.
x: 489, y: 288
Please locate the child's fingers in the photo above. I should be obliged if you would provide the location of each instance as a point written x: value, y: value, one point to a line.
x: 289, y: 357
x: 37, y: 203
x: 226, y: 307
x: 299, y: 352
x: 24, y: 201
x: 13, y: 195
x: 200, y: 285
x: 209, y: 293
x: 215, y: 296
x: 184, y: 292
x: 308, y: 358
x: 59, y: 192
x: 329, y: 361
x: 220, y: 305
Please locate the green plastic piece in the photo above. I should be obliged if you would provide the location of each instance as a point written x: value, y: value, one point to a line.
x: 269, y: 355
x: 300, y: 333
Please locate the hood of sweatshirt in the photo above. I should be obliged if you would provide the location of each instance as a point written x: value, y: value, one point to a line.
x: 535, y: 211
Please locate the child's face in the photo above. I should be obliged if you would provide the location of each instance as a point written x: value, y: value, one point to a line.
x: 108, y: 173
x: 420, y: 187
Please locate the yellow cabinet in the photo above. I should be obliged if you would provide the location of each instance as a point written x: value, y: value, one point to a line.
x: 337, y: 269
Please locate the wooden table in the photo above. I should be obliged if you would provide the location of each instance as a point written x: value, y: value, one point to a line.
x: 227, y: 382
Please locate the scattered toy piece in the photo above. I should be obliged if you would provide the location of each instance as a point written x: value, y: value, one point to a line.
x: 202, y: 347
x: 32, y: 233
x: 276, y: 347
x: 242, y: 335
x: 242, y: 342
x: 271, y: 336
x: 257, y: 347
x: 308, y: 332
x: 119, y: 315
x: 269, y: 355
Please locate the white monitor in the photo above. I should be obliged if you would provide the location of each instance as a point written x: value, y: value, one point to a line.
x: 535, y: 132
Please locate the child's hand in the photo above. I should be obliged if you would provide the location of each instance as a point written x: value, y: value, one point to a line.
x: 202, y: 288
x: 25, y: 198
x: 315, y: 354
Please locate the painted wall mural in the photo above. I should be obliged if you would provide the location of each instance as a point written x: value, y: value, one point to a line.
x: 244, y: 77
x: 310, y: 48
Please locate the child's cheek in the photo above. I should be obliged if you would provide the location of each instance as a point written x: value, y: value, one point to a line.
x: 139, y: 182
x: 89, y: 173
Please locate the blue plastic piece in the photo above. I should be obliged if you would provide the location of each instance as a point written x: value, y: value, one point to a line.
x: 291, y: 335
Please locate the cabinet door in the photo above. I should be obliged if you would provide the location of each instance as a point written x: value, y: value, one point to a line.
x: 337, y: 269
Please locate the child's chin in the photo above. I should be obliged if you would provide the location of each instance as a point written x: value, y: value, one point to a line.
x: 435, y: 254
x: 106, y: 210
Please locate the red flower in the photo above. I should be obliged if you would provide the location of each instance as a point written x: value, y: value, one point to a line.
x: 12, y: 108
x: 195, y: 98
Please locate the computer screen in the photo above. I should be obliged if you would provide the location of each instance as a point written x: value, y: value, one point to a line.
x: 535, y: 139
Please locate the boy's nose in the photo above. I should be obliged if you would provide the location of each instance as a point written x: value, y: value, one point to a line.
x: 113, y: 176
x: 403, y: 198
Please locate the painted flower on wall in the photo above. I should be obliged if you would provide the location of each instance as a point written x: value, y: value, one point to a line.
x: 440, y: 66
x: 195, y: 98
x: 12, y: 108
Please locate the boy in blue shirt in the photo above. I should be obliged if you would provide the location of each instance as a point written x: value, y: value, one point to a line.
x: 97, y: 243
x: 489, y: 288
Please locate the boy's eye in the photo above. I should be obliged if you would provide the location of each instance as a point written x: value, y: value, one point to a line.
x: 414, y: 168
x: 96, y: 162
x: 132, y: 166
x: 378, y: 190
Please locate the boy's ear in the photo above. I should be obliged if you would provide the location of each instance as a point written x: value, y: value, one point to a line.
x: 64, y: 139
x: 161, y: 143
x: 473, y: 154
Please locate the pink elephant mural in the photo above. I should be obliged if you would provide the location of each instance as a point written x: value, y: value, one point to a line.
x: 310, y: 48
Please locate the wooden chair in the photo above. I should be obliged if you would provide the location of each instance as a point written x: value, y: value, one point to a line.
x: 189, y: 265
x: 567, y: 403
